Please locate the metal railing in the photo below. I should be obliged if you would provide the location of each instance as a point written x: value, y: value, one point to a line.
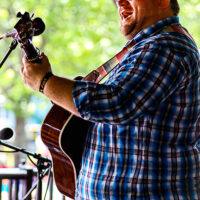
x: 19, y: 182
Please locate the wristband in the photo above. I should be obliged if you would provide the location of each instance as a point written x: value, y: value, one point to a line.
x: 44, y: 81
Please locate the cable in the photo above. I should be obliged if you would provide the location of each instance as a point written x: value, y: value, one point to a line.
x: 48, y: 182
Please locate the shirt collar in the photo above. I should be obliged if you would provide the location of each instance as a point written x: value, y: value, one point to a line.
x: 155, y: 28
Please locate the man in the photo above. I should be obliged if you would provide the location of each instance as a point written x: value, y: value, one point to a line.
x: 146, y: 116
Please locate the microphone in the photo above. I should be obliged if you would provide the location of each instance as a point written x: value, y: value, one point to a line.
x: 38, y: 27
x: 6, y: 133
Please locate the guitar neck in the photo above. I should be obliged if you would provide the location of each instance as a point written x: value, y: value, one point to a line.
x: 32, y: 53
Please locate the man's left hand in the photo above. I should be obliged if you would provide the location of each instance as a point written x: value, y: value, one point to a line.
x: 33, y: 73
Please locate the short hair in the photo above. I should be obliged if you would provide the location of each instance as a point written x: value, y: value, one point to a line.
x: 175, y: 7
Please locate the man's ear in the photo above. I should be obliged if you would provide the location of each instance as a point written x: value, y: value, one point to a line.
x: 163, y: 3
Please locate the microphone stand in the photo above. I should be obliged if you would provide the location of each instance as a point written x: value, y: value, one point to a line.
x: 43, y: 166
x: 12, y: 46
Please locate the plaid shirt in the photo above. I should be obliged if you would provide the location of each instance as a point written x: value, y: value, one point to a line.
x: 142, y: 144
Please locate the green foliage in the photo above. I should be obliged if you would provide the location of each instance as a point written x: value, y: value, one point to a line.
x: 77, y: 39
x: 80, y: 35
x: 189, y: 17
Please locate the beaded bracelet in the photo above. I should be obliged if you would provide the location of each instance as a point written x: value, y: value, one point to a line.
x: 44, y: 81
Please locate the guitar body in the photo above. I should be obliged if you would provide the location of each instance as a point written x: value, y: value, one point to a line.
x: 64, y: 135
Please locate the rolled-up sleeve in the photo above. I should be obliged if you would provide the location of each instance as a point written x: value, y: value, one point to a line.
x: 148, y: 75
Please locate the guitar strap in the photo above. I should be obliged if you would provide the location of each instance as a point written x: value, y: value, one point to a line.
x: 98, y: 74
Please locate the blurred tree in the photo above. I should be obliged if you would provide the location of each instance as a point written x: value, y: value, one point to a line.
x: 189, y: 17
x: 80, y: 35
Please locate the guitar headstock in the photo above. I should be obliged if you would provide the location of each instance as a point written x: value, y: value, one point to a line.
x: 26, y: 28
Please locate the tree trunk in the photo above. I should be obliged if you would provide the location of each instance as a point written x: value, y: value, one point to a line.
x: 20, y: 139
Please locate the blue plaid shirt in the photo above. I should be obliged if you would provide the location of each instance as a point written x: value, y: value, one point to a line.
x: 142, y: 144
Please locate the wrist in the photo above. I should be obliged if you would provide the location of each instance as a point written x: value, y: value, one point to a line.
x: 44, y: 81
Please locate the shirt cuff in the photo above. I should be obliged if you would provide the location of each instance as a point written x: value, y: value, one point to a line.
x: 81, y: 96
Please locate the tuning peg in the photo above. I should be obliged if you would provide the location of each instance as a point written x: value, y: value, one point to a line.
x: 19, y: 14
x: 26, y: 14
x: 32, y: 15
